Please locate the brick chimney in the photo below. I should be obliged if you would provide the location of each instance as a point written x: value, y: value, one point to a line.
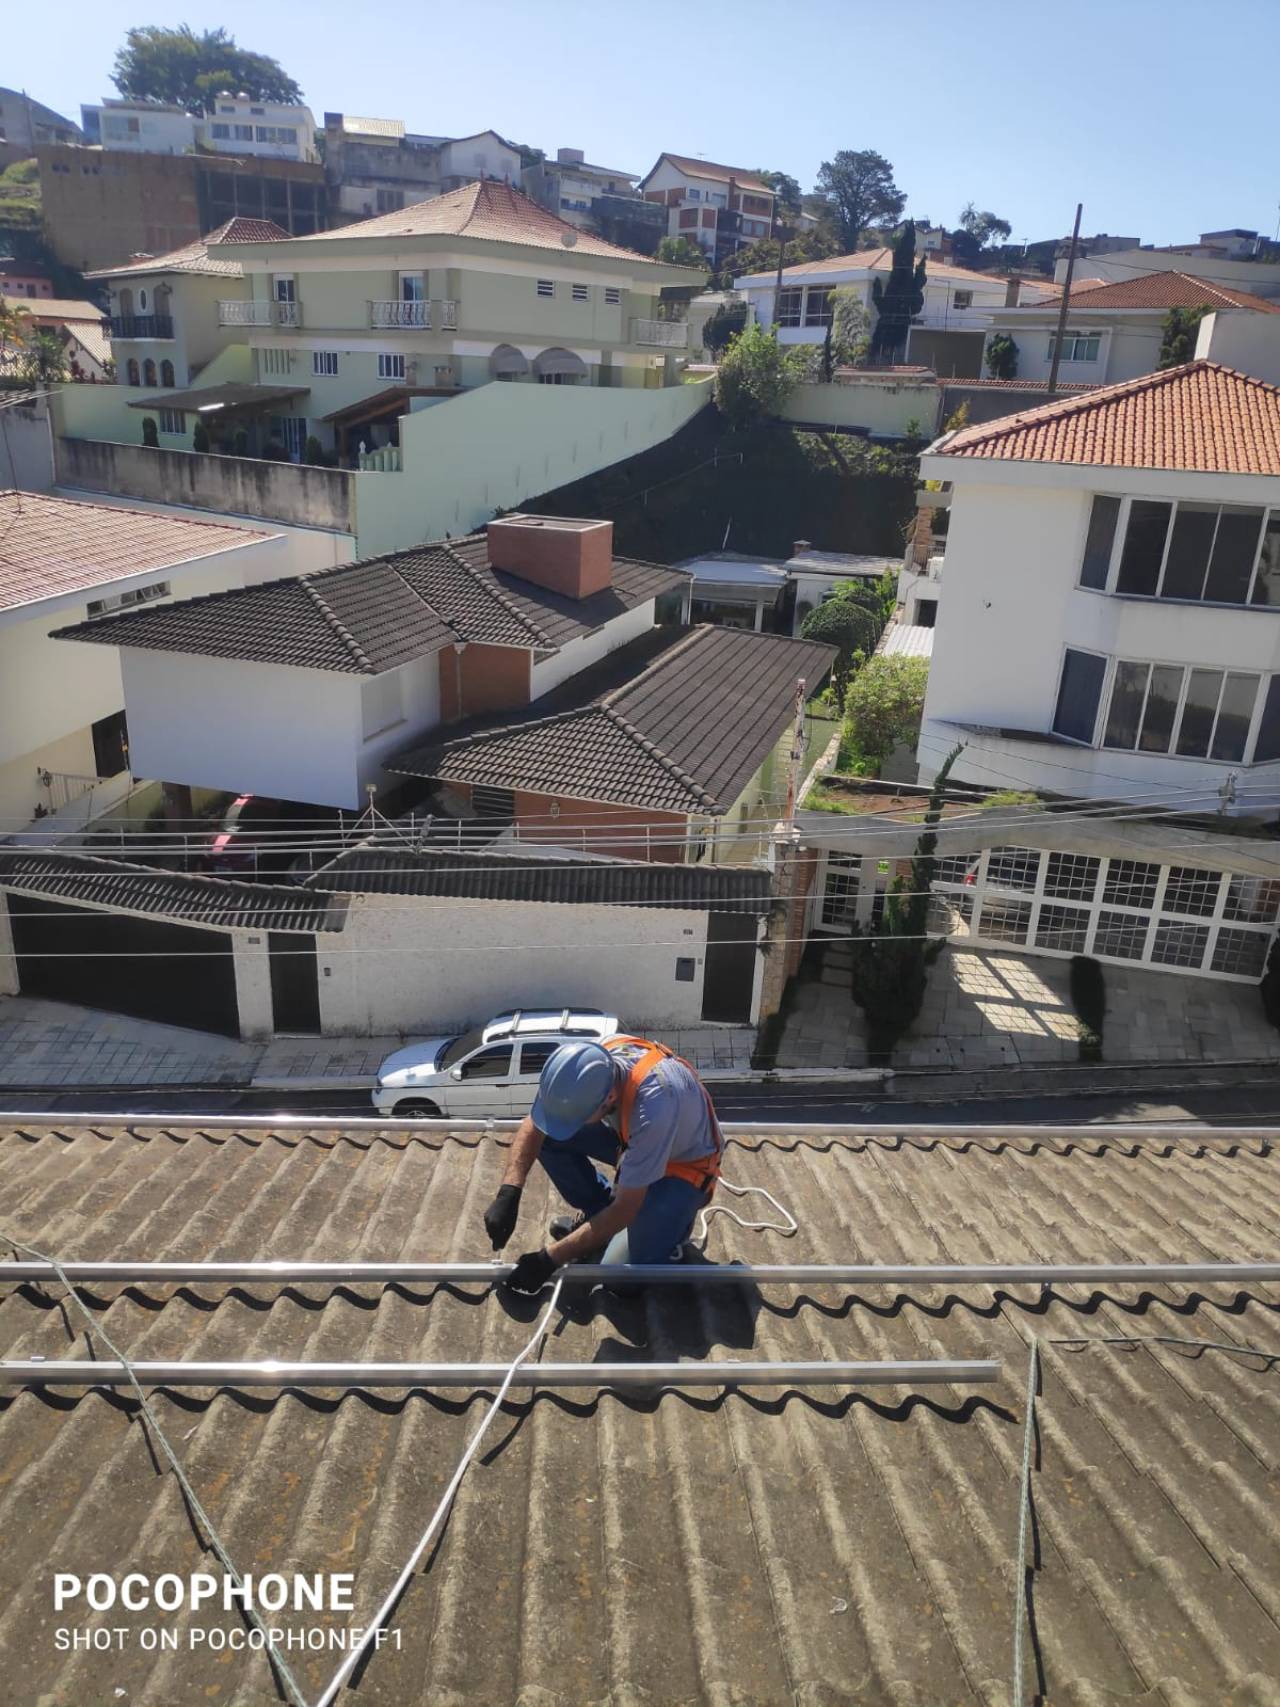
x: 564, y: 555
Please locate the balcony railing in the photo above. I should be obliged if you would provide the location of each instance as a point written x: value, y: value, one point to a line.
x: 668, y: 334
x: 401, y: 312
x: 420, y: 316
x: 242, y: 313
x: 142, y: 326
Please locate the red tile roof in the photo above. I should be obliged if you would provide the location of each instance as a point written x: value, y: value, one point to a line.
x: 1169, y: 290
x: 1201, y: 418
x: 493, y: 212
x: 50, y: 546
x: 195, y: 257
x: 739, y: 176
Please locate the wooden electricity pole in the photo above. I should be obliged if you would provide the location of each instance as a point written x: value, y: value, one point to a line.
x: 1065, y: 303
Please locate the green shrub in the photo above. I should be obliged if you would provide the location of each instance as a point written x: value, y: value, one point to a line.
x: 313, y: 451
x: 883, y: 706
x: 240, y: 442
x: 199, y: 435
x: 1089, y: 999
x: 150, y: 434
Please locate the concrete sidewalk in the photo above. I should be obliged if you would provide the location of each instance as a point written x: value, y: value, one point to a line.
x: 985, y: 1010
x: 52, y: 1045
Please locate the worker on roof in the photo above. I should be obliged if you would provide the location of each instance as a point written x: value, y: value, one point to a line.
x: 638, y: 1108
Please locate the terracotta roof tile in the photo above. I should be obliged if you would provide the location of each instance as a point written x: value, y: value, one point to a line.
x: 52, y: 307
x: 195, y: 257
x: 684, y: 735
x: 741, y: 178
x: 50, y: 546
x: 1168, y: 290
x: 1201, y: 418
x: 492, y: 212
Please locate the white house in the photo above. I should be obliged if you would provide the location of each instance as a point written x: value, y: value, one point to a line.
x: 1111, y: 627
x: 947, y: 335
x: 62, y: 724
x: 722, y: 208
x: 238, y: 124
x: 1113, y: 331
x: 303, y: 687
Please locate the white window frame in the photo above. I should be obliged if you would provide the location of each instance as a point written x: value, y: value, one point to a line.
x: 1104, y: 692
x: 132, y: 596
x: 172, y: 421
x: 971, y: 898
x: 1175, y: 729
x: 324, y: 364
x: 1076, y: 346
x: 818, y: 310
x: 1270, y: 516
x: 784, y: 316
x: 390, y: 364
x: 962, y: 299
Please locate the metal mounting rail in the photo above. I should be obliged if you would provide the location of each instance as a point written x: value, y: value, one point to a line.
x: 670, y: 1274
x: 478, y: 1376
x: 254, y: 1121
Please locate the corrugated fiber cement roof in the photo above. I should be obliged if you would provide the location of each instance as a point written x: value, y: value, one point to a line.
x: 813, y: 1548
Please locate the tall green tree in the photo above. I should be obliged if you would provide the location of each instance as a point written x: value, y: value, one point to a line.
x: 898, y: 301
x: 1178, y: 336
x: 891, y: 967
x: 850, y: 327
x: 857, y: 191
x: 976, y: 230
x: 158, y: 63
x: 683, y: 252
x: 762, y: 255
x: 1002, y: 356
x: 787, y: 193
x: 756, y: 375
x: 43, y: 360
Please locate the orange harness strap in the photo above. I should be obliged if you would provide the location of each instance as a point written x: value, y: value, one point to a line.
x: 703, y: 1171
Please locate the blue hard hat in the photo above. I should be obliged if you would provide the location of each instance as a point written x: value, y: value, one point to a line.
x: 571, y: 1087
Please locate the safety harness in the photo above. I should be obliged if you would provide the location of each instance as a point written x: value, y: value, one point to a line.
x: 701, y: 1171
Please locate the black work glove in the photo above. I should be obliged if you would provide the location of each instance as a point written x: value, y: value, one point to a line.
x: 532, y: 1272
x: 500, y: 1216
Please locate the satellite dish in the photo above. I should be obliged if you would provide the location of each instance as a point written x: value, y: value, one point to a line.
x: 568, y: 238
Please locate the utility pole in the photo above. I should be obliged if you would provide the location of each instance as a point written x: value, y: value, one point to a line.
x: 1065, y: 303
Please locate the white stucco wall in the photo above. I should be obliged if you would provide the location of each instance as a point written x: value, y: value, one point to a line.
x: 1013, y: 606
x: 291, y: 734
x: 431, y: 964
x: 1244, y: 340
x: 1129, y: 346
x: 590, y: 647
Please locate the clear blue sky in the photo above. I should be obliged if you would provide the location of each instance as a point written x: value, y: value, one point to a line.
x: 1158, y: 114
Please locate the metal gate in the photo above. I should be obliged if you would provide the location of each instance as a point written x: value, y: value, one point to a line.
x: 295, y: 985
x: 151, y: 969
x: 729, y: 973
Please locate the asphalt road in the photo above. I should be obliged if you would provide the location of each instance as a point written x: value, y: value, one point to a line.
x: 1239, y: 1097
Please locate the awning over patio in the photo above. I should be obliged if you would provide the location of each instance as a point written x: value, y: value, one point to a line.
x: 219, y: 399
x: 393, y: 401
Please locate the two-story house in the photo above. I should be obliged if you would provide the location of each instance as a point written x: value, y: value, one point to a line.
x: 1113, y: 331
x: 376, y: 165
x: 235, y: 124
x: 401, y: 311
x: 947, y: 335
x: 722, y: 208
x: 165, y: 313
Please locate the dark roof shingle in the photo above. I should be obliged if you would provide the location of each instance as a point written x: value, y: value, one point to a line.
x: 685, y: 735
x: 200, y: 900
x: 378, y: 613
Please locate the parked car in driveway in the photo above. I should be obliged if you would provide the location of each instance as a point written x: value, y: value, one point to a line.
x: 491, y: 1071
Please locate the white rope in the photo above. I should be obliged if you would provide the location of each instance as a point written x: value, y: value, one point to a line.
x: 349, y: 1664
x: 96, y: 1331
x: 1024, y: 1514
x: 786, y: 1227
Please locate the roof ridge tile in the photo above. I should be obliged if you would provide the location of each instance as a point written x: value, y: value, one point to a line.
x: 339, y: 628
x: 494, y: 591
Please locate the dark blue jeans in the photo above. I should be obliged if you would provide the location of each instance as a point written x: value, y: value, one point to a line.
x: 666, y: 1216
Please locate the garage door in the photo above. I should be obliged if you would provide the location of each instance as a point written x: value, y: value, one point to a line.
x: 74, y: 954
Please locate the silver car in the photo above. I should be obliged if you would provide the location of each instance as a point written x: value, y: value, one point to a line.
x: 489, y: 1072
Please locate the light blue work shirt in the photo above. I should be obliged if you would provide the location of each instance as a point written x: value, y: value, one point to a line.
x: 670, y: 1119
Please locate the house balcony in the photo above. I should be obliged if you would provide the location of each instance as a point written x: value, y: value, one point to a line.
x: 440, y: 315
x: 662, y: 334
x: 245, y: 313
x: 142, y: 326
